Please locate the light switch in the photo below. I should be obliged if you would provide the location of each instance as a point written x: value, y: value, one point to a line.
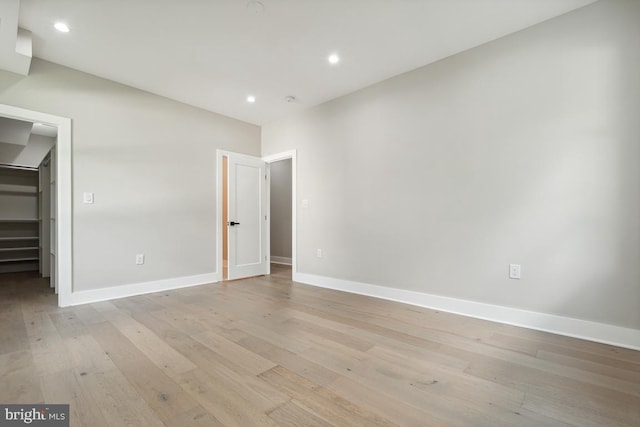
x: 514, y: 271
x: 87, y: 198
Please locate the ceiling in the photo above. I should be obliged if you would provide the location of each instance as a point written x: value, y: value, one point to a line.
x: 17, y: 132
x: 14, y: 132
x: 16, y: 145
x: 214, y: 53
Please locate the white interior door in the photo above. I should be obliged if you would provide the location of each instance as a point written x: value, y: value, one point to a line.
x: 247, y: 220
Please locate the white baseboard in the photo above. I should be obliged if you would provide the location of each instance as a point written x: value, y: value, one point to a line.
x: 105, y: 294
x: 280, y: 260
x: 576, y: 328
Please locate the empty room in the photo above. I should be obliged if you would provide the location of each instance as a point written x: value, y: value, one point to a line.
x: 320, y: 213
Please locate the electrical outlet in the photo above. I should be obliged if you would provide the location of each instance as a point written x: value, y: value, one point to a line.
x: 319, y: 253
x: 514, y: 271
x: 139, y: 259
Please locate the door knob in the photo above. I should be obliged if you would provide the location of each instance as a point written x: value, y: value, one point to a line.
x: 232, y: 223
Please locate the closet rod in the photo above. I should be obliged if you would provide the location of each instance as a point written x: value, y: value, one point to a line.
x: 19, y: 167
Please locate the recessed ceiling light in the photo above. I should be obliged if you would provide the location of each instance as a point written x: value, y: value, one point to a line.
x: 62, y: 27
x: 334, y: 58
x: 251, y: 99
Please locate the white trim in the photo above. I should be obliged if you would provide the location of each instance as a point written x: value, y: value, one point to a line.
x: 64, y: 203
x: 268, y: 216
x: 291, y: 154
x: 280, y: 260
x: 583, y: 329
x: 123, y: 291
x: 219, y: 155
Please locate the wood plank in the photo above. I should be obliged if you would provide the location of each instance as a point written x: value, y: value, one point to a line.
x: 13, y: 333
x: 136, y: 303
x: 306, y: 368
x: 119, y: 402
x: 231, y: 408
x: 272, y: 336
x: 322, y: 401
x: 225, y: 372
x: 531, y: 342
x: 554, y: 370
x: 588, y: 400
x: 196, y: 417
x: 88, y: 314
x: 409, y: 350
x: 374, y: 399
x: 47, y: 346
x: 347, y: 340
x: 160, y: 392
x: 447, y: 393
x: 570, y: 414
x: 96, y: 383
x: 68, y: 324
x: 295, y: 414
x: 63, y: 387
x: 245, y: 359
x: 157, y: 350
x: 20, y: 381
x: 607, y: 376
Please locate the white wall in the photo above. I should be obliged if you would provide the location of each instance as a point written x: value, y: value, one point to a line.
x: 32, y: 154
x: 524, y: 150
x: 281, y: 209
x: 150, y: 162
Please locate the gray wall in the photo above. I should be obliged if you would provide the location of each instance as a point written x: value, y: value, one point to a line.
x: 524, y: 150
x: 151, y: 164
x: 281, y: 208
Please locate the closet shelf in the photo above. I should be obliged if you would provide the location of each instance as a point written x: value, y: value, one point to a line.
x: 21, y: 206
x: 20, y: 248
x: 19, y: 259
x: 17, y: 189
x: 5, y: 239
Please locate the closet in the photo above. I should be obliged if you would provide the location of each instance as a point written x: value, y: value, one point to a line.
x: 19, y: 219
x: 27, y: 198
x: 27, y: 220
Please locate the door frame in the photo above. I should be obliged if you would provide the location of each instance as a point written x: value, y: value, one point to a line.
x: 291, y: 154
x: 219, y: 262
x: 64, y: 195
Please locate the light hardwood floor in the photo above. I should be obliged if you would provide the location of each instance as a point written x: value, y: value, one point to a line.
x: 266, y: 351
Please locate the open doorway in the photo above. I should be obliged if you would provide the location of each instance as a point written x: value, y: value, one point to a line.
x: 243, y: 228
x: 36, y: 218
x: 280, y: 212
x: 283, y: 214
x: 27, y: 240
